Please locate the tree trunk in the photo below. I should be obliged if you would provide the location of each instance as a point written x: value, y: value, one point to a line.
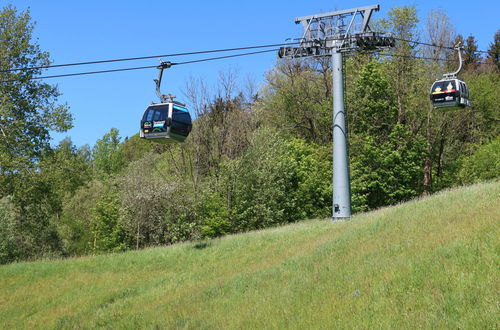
x: 428, y: 173
x: 137, y: 238
x: 428, y: 157
x: 439, y: 170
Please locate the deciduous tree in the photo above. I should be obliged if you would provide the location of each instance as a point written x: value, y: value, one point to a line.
x: 28, y: 107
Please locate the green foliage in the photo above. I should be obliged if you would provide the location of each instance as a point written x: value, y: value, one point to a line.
x: 312, y: 165
x: 221, y: 131
x: 471, y: 57
x: 401, y: 69
x: 108, y: 233
x: 28, y: 112
x: 107, y: 158
x: 75, y: 224
x: 9, y: 232
x: 66, y: 169
x: 402, y: 21
x: 181, y: 223
x: 483, y: 164
x: 28, y: 107
x: 261, y: 183
x: 143, y: 193
x: 157, y: 200
x: 276, y: 182
x: 214, y: 215
x: 298, y: 101
x: 134, y: 148
x: 386, y: 159
x: 494, y: 51
x: 38, y: 206
x: 373, y: 108
x: 39, y: 197
x: 252, y: 161
x: 485, y: 97
x: 386, y: 173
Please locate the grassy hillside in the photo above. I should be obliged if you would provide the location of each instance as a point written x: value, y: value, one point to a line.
x: 431, y: 263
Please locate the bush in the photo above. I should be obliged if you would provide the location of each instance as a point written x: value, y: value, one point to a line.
x: 483, y: 164
x: 214, y: 215
x: 385, y: 173
x: 8, y: 232
x: 276, y: 181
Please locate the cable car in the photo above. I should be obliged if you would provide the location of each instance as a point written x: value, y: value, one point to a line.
x: 167, y: 121
x: 450, y: 92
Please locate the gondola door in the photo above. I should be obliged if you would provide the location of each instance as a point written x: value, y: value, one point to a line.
x: 156, y: 121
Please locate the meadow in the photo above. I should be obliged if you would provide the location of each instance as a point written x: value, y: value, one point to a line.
x: 428, y: 263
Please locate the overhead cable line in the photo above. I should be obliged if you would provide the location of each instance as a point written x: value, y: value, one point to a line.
x: 94, y: 72
x: 148, y: 57
x: 422, y: 57
x: 154, y: 66
x: 227, y: 56
x: 201, y: 60
x: 434, y: 45
x: 189, y: 53
x: 218, y: 58
x: 424, y: 43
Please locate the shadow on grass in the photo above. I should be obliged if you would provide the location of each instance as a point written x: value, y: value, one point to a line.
x: 202, y: 245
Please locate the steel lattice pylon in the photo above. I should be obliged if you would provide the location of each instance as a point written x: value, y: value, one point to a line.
x: 332, y: 34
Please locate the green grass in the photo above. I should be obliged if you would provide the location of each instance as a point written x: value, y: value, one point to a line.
x: 429, y: 263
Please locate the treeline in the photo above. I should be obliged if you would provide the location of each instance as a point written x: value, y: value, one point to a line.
x: 254, y: 158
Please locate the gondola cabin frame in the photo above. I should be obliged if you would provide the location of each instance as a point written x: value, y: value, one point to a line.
x: 166, y: 122
x: 449, y: 94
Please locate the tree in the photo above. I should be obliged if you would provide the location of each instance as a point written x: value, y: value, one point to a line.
x: 10, y: 232
x: 107, y: 158
x: 402, y: 70
x: 483, y: 164
x: 78, y: 215
x: 261, y: 184
x: 134, y: 148
x: 39, y: 198
x: 373, y: 109
x: 28, y: 107
x: 276, y: 181
x: 66, y: 168
x: 440, y: 32
x: 471, y: 56
x: 223, y: 125
x: 298, y: 100
x: 494, y: 51
x: 144, y: 194
x: 388, y: 172
x: 107, y: 230
x: 485, y: 94
x: 386, y: 157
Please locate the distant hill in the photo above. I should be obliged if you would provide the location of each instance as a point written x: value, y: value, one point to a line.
x: 428, y: 263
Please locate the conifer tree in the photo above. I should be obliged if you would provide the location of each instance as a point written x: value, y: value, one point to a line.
x: 494, y: 51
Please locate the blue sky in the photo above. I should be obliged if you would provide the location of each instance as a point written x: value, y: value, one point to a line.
x: 74, y: 31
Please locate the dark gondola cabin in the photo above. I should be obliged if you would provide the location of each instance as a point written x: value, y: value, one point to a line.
x: 166, y: 122
x: 450, y: 94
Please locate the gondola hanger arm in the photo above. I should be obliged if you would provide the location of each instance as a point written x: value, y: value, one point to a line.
x: 163, y: 97
x: 458, y: 48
